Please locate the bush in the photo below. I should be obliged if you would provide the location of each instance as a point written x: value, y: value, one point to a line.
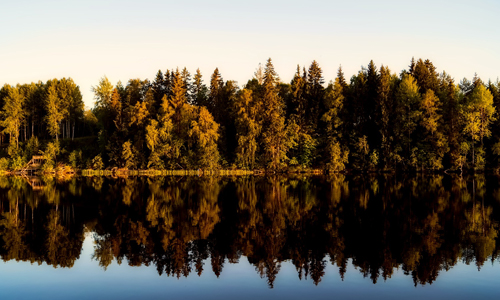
x: 75, y: 158
x: 96, y: 163
x: 17, y: 163
x: 4, y: 164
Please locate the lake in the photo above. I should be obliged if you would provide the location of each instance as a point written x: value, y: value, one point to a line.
x: 266, y: 237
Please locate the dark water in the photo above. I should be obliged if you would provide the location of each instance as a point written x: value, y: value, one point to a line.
x: 384, y: 237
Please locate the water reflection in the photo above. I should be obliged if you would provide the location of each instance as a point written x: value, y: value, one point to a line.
x: 422, y: 225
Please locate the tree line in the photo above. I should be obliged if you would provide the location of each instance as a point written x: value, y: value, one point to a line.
x: 379, y: 120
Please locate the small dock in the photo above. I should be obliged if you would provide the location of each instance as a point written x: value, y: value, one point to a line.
x: 33, y: 165
x: 35, y: 183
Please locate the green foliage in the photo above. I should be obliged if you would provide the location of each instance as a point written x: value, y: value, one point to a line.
x: 12, y: 113
x: 54, y: 113
x: 17, y: 163
x: 75, y: 159
x: 50, y: 154
x: 337, y: 158
x: 247, y: 129
x: 4, y: 164
x: 32, y: 147
x: 374, y: 159
x: 128, y: 155
x: 51, y: 151
x: 103, y: 93
x: 407, y: 111
x: 203, y: 138
x: 97, y: 163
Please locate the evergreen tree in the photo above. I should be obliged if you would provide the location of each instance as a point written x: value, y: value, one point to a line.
x: 214, y: 97
x: 315, y: 92
x: 275, y: 138
x: 451, y: 120
x: 188, y: 86
x: 200, y: 90
x: 385, y: 111
x: 336, y: 157
x: 426, y: 76
x: 159, y: 89
x: 297, y: 106
x: 372, y: 113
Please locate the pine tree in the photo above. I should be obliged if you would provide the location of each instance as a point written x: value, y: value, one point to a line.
x: 200, y: 90
x: 298, y: 104
x: 214, y: 97
x: 384, y: 110
x: 372, y: 113
x: 188, y: 86
x: 426, y: 76
x: 159, y: 89
x: 275, y: 138
x: 177, y: 100
x: 315, y: 93
x: 336, y: 157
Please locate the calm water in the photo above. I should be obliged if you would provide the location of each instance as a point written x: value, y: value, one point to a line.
x: 299, y: 237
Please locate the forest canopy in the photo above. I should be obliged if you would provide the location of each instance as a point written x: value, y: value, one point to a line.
x: 417, y: 120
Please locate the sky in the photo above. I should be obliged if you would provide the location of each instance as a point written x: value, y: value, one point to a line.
x: 86, y: 40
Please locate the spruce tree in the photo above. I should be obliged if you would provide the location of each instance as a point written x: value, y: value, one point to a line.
x: 315, y: 92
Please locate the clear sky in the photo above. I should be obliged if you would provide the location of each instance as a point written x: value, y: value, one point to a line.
x: 86, y: 40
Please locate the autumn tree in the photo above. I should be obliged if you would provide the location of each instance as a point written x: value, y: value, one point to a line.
x: 478, y: 114
x: 203, y: 136
x: 435, y: 144
x: 275, y: 138
x: 247, y: 129
x: 54, y: 113
x: 407, y: 113
x: 12, y: 114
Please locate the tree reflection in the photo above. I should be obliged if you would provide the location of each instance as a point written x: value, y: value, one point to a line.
x: 182, y: 225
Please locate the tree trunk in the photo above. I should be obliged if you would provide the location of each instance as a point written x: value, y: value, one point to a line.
x: 473, y: 164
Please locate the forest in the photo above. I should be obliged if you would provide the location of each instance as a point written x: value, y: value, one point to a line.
x: 420, y: 120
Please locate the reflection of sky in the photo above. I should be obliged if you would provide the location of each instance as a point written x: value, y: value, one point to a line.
x: 86, y: 280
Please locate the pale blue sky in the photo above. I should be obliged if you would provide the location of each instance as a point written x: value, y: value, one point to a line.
x: 86, y: 40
